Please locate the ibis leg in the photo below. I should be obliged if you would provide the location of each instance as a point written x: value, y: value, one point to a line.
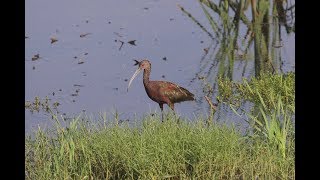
x: 161, y: 107
x: 171, y: 105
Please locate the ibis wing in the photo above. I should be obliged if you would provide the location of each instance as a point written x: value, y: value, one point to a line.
x: 175, y: 93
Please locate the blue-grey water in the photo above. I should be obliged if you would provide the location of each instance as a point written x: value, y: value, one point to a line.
x: 90, y: 74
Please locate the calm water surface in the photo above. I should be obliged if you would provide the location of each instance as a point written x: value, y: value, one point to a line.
x: 90, y: 74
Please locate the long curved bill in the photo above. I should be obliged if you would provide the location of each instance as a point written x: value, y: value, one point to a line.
x: 134, y: 76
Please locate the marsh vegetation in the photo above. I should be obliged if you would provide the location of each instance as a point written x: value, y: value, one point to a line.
x: 176, y: 148
x: 241, y: 32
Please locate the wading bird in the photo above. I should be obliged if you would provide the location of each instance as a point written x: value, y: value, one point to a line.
x: 162, y: 92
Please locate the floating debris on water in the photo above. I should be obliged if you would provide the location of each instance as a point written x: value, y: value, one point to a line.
x: 164, y: 58
x: 26, y: 37
x: 206, y: 50
x: 133, y: 42
x: 121, y: 45
x: 125, y: 80
x: 145, y: 8
x: 35, y: 57
x: 83, y: 35
x: 201, y: 42
x: 33, y: 67
x: 80, y: 61
x: 115, y: 89
x: 136, y: 62
x: 171, y: 19
x: 75, y: 57
x: 85, y: 53
x: 53, y: 40
x: 116, y: 33
x: 74, y: 94
x: 78, y: 85
x: 163, y: 76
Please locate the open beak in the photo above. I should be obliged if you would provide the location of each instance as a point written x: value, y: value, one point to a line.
x: 134, y: 75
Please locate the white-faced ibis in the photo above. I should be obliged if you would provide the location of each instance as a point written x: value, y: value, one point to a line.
x: 162, y: 92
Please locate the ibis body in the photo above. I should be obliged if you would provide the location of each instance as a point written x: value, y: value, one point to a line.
x: 162, y: 92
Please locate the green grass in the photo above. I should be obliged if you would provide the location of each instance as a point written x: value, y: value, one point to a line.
x: 268, y: 86
x: 273, y: 96
x: 154, y: 150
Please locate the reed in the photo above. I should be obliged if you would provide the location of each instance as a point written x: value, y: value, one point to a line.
x: 262, y: 27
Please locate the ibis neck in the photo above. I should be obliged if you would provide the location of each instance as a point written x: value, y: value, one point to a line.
x: 146, y: 75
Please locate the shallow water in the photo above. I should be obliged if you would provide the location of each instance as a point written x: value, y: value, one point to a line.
x: 90, y: 74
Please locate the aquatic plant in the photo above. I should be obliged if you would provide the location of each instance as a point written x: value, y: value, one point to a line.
x: 263, y: 31
x: 273, y: 99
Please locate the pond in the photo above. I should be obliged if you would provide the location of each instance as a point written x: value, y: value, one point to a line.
x: 79, y: 54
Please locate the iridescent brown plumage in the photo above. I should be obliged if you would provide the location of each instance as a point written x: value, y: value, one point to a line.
x: 162, y: 92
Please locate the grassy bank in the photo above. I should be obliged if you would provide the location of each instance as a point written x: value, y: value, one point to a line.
x: 155, y: 151
x: 177, y: 149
